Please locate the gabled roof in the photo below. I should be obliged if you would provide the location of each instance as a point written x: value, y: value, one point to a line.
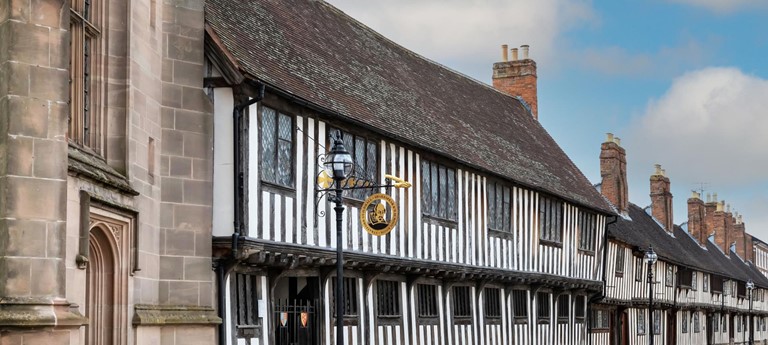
x: 641, y: 230
x: 316, y: 53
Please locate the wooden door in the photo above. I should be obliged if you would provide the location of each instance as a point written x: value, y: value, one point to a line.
x: 624, y: 328
x: 671, y: 331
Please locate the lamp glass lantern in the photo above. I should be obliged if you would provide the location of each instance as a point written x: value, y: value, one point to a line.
x: 750, y: 285
x: 650, y: 256
x: 338, y: 162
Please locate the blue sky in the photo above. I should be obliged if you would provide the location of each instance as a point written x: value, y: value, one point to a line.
x: 684, y: 83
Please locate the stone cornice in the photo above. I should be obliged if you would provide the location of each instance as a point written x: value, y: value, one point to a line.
x: 163, y: 315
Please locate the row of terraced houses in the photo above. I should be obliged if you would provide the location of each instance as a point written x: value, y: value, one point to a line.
x: 160, y: 186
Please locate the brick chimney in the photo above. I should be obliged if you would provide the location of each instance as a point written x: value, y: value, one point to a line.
x: 750, y: 252
x: 613, y: 170
x: 517, y: 77
x: 696, y: 215
x: 739, y: 236
x: 661, y: 199
x: 720, y: 226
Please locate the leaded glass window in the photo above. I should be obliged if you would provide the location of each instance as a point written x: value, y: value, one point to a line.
x: 640, y: 321
x: 276, y: 148
x: 587, y: 230
x: 499, y: 206
x: 438, y: 192
x: 550, y: 220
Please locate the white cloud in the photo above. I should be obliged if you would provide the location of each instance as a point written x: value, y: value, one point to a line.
x: 711, y: 121
x: 468, y: 34
x: 724, y: 6
x: 710, y: 126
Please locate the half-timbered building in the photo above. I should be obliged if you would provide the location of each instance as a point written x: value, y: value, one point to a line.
x: 498, y: 240
x: 700, y: 281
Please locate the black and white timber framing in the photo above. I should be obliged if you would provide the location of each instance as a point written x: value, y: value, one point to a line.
x: 502, y: 246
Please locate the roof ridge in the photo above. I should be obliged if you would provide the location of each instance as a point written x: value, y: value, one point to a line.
x: 417, y: 55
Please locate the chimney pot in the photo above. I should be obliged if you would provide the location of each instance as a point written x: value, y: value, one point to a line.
x: 524, y: 48
x: 617, y: 140
x: 714, y: 197
x: 514, y: 54
x: 695, y: 194
x: 658, y: 169
x: 504, y: 52
x: 720, y: 206
x: 608, y: 137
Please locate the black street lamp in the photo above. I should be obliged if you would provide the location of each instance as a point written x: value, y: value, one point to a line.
x: 750, y: 287
x: 338, y: 165
x: 650, y: 258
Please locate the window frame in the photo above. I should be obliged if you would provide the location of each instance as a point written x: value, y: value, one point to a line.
x: 263, y: 178
x: 639, y: 264
x: 246, y: 298
x: 600, y: 320
x: 494, y: 216
x: 461, y: 301
x: 580, y: 308
x: 447, y: 204
x: 669, y: 276
x: 85, y: 125
x: 696, y: 322
x: 550, y: 225
x: 351, y: 305
x: 563, y: 308
x: 587, y: 224
x: 518, y: 296
x: 640, y: 315
x: 427, y: 304
x: 620, y: 261
x: 684, y: 322
x: 492, y: 304
x: 705, y: 282
x: 657, y: 322
x: 543, y: 307
x: 388, y: 302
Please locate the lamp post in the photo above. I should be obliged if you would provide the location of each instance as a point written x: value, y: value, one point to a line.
x: 750, y: 287
x: 650, y: 258
x: 338, y: 165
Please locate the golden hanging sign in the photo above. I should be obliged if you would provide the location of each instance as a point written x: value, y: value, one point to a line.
x: 379, y: 214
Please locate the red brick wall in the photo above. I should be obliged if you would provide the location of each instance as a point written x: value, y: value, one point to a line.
x: 518, y: 78
x: 696, y: 216
x: 661, y: 201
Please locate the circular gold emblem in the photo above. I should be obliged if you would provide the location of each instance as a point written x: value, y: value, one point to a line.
x: 379, y: 214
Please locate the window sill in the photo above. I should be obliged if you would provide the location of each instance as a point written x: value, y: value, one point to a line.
x: 493, y: 320
x: 439, y: 221
x: 521, y: 320
x: 620, y: 274
x: 277, y: 189
x: 88, y: 164
x: 587, y: 252
x: 427, y: 320
x: 500, y: 234
x: 551, y: 243
x: 462, y: 320
x: 388, y: 320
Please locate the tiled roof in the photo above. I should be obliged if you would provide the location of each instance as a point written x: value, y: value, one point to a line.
x: 315, y: 52
x: 641, y: 231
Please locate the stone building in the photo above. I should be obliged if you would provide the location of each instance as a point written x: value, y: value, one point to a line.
x: 105, y: 173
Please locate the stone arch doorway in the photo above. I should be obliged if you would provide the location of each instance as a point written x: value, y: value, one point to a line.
x: 106, y: 289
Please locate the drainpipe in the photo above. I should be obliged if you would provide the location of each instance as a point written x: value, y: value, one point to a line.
x: 601, y: 294
x: 225, y: 264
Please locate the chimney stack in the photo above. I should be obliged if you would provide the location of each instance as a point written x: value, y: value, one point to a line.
x: 661, y: 199
x: 613, y: 170
x: 720, y: 225
x: 740, y: 237
x: 696, y: 216
x: 517, y: 78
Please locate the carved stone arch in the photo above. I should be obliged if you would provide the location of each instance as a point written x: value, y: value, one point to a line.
x: 107, y: 276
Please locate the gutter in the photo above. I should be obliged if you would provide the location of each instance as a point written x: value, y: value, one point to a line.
x: 601, y: 295
x: 224, y: 265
